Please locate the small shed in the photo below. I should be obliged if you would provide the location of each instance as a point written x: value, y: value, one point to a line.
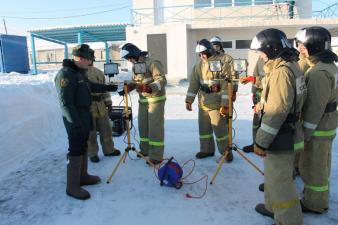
x: 13, y: 54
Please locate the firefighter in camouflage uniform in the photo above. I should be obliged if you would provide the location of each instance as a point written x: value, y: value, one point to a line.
x: 101, y: 103
x: 150, y: 81
x: 320, y: 117
x: 280, y: 133
x: 211, y: 88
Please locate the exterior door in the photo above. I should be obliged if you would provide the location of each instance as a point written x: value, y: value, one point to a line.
x: 157, y: 48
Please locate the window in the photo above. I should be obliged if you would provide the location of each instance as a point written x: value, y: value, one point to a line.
x: 222, y: 3
x: 227, y: 44
x: 243, y: 44
x: 202, y: 3
x: 50, y: 56
x: 242, y: 2
x: 263, y: 2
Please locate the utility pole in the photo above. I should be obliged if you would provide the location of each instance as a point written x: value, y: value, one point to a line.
x: 5, y: 25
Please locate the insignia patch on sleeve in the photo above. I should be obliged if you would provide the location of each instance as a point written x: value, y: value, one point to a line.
x: 64, y: 82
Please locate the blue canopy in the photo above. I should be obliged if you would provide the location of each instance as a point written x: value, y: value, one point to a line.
x: 78, y: 34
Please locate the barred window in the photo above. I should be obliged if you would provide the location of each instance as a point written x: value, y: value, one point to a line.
x: 202, y: 3
x: 263, y: 2
x: 227, y: 44
x: 242, y: 2
x: 223, y: 3
x: 243, y: 44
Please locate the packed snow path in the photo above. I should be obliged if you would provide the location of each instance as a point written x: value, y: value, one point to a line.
x: 33, y: 168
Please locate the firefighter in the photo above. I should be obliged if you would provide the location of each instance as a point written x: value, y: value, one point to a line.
x: 280, y: 133
x: 211, y: 88
x: 303, y: 66
x: 256, y: 80
x: 150, y: 81
x: 74, y: 94
x: 217, y: 45
x: 101, y: 103
x: 320, y: 117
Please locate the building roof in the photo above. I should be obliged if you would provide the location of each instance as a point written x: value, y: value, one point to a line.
x: 89, y: 33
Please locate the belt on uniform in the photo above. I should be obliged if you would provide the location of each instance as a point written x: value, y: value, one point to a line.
x: 207, y: 89
x: 97, y: 98
x: 292, y: 117
x: 331, y: 107
x: 289, y: 121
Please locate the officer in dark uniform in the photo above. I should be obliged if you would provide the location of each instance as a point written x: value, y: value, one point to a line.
x: 74, y: 92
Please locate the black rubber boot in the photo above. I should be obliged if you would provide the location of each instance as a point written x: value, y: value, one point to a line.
x: 248, y: 148
x: 260, y: 208
x: 115, y: 152
x: 94, y: 159
x: 73, y: 179
x: 201, y: 155
x: 87, y: 179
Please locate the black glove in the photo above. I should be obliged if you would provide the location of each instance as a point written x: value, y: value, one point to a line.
x: 112, y: 87
x: 121, y: 93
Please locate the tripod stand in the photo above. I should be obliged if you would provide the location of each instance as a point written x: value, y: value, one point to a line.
x: 230, y: 144
x: 129, y: 146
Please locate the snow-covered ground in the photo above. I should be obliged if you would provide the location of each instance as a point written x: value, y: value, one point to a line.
x: 33, y: 147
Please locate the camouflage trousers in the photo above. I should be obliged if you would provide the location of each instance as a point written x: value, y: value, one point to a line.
x: 103, y: 127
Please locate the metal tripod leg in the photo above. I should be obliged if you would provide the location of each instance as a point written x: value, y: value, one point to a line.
x: 122, y: 159
x: 129, y: 147
x: 248, y: 160
x: 230, y: 139
x: 220, y: 164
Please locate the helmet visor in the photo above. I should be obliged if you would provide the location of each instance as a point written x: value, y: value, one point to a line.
x: 200, y: 48
x: 124, y: 53
x: 255, y: 44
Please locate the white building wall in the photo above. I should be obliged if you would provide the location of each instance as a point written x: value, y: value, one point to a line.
x: 176, y: 46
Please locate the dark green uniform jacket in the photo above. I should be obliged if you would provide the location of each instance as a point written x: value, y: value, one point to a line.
x: 74, y: 92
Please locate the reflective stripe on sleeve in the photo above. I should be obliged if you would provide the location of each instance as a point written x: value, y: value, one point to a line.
x: 308, y: 125
x: 269, y: 129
